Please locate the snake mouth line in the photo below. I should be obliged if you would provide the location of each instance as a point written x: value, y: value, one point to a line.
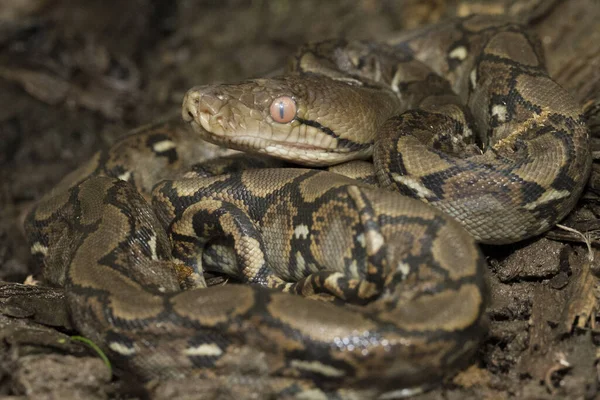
x: 216, y: 121
x: 304, y: 154
x: 261, y: 141
x: 257, y: 142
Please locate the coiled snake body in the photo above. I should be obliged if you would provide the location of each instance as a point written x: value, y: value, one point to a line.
x: 395, y: 287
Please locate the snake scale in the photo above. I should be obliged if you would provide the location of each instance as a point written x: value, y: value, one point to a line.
x: 461, y: 115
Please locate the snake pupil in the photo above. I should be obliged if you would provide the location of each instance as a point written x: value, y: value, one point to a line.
x: 283, y: 109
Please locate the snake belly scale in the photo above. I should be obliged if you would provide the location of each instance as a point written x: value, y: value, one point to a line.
x: 348, y: 290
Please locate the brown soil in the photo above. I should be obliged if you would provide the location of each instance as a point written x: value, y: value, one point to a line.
x: 74, y: 75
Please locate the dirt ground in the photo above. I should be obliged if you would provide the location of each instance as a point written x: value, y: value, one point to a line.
x: 75, y: 75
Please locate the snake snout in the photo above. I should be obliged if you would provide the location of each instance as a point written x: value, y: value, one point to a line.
x: 198, y: 102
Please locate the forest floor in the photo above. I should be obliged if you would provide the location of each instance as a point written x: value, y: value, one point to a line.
x: 76, y: 75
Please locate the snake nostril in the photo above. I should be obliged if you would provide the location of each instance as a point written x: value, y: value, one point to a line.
x: 189, y: 111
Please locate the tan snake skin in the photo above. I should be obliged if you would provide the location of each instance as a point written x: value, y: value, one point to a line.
x: 461, y: 115
x: 520, y: 175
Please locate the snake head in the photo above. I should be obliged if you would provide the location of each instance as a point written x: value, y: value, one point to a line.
x: 310, y: 120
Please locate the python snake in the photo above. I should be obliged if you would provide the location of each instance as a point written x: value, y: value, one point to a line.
x: 461, y: 115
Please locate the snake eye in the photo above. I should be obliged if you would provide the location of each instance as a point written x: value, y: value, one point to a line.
x: 283, y: 109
